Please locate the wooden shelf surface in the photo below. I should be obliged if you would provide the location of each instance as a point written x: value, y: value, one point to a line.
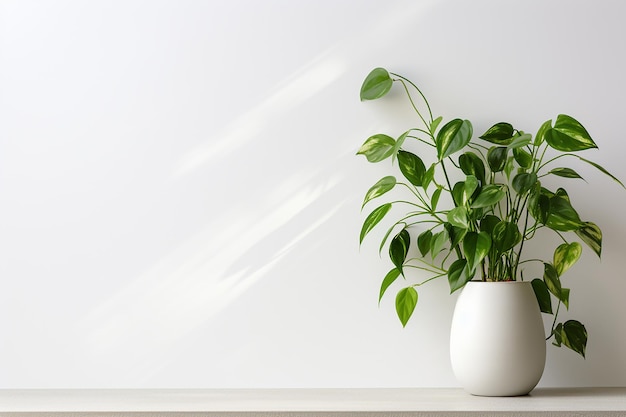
x: 403, y: 402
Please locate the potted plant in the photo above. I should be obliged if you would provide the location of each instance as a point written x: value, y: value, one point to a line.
x: 465, y: 210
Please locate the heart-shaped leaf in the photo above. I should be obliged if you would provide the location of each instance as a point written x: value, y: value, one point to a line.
x: 574, y: 336
x: 524, y: 182
x: 566, y: 255
x: 475, y: 247
x: 377, y: 83
x: 488, y: 223
x: 568, y: 135
x: 523, y: 158
x: 505, y: 235
x: 500, y: 134
x: 471, y: 164
x: 497, y: 157
x: 489, y: 196
x: 398, y: 249
x: 458, y: 275
x: 406, y: 300
x: 453, y: 137
x: 423, y: 242
x: 458, y: 217
x: 411, y: 167
x: 377, y: 148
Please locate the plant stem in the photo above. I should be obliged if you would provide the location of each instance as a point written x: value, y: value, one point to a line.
x: 521, y: 246
x: 430, y: 113
x: 408, y: 93
x: 558, y: 306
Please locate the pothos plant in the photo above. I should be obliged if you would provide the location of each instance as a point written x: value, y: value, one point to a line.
x: 496, y: 203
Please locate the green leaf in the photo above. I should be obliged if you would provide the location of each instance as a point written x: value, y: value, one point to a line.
x: 384, y: 239
x: 455, y: 233
x: 398, y: 145
x: 488, y: 223
x: 560, y: 193
x: 505, y: 235
x: 434, y: 199
x: 458, y: 217
x: 523, y: 182
x: 568, y: 135
x: 601, y: 169
x: 565, y: 173
x: 398, y: 249
x: 489, y: 196
x: 423, y: 242
x: 406, y: 300
x: 475, y: 247
x: 471, y: 164
x: 434, y: 125
x: 520, y: 141
x: 438, y: 242
x: 458, y: 193
x: 508, y: 167
x: 574, y: 336
x: 523, y: 158
x: 373, y: 219
x: 471, y: 184
x: 458, y: 275
x: 543, y: 296
x: 566, y: 255
x: 428, y: 176
x: 377, y: 148
x: 539, y: 204
x: 591, y: 234
x: 541, y: 133
x: 500, y: 134
x: 453, y: 137
x: 377, y: 83
x: 381, y: 187
x: 387, y: 281
x: 411, y: 167
x: 496, y: 158
x: 463, y: 190
x: 562, y: 216
x: 551, y: 278
x: 565, y: 297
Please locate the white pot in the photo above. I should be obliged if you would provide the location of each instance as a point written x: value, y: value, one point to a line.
x: 497, y: 339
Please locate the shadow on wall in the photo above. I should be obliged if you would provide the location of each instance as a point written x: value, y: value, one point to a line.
x: 247, y: 237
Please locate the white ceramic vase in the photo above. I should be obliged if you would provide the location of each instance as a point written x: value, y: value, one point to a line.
x: 497, y: 339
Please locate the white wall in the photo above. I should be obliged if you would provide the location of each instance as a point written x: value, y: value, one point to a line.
x: 179, y: 194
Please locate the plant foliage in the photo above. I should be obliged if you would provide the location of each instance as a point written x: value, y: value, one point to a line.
x: 496, y: 203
